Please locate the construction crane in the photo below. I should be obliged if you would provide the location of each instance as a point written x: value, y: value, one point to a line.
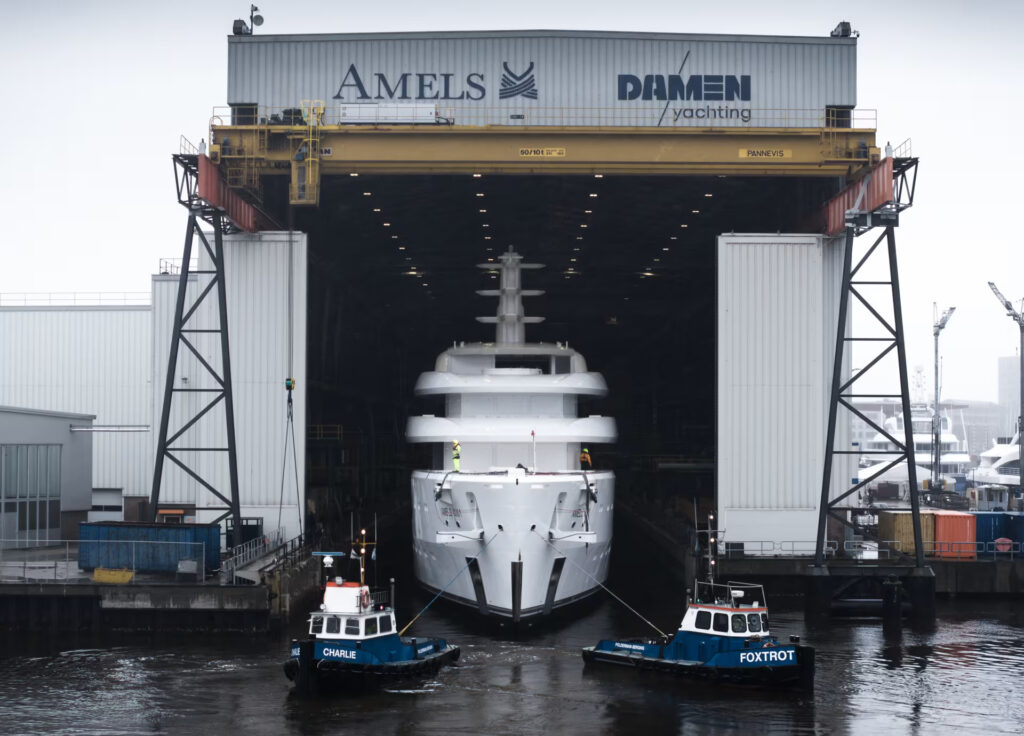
x: 937, y: 327
x: 1016, y: 316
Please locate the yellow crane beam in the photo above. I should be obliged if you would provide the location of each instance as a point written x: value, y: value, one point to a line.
x: 413, y: 149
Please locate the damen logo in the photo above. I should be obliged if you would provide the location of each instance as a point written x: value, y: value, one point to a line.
x: 517, y: 85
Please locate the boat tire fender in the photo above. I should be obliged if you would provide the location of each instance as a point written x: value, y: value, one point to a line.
x: 365, y: 599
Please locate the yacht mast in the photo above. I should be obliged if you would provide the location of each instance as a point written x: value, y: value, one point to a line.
x: 510, y: 319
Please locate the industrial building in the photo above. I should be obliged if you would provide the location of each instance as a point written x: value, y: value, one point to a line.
x: 676, y: 186
x: 45, y: 469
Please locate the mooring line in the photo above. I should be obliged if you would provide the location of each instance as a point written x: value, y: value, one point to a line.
x: 470, y: 560
x: 603, y: 586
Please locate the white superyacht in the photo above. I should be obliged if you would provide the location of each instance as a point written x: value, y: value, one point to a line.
x: 514, y: 527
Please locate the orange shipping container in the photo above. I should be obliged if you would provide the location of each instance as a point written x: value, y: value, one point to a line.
x: 955, y: 535
x: 898, y: 526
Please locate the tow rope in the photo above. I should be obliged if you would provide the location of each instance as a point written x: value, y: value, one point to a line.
x: 603, y: 586
x: 470, y: 560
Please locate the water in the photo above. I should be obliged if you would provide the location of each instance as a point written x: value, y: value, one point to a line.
x: 966, y: 676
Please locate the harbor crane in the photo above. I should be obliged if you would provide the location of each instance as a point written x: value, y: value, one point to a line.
x: 937, y: 327
x: 1016, y: 317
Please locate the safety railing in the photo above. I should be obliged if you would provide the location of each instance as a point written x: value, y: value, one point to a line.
x: 248, y: 552
x: 667, y: 114
x: 109, y: 561
x: 74, y: 298
x: 733, y: 549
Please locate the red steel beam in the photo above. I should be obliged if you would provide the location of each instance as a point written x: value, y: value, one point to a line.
x: 879, y: 192
x: 217, y: 193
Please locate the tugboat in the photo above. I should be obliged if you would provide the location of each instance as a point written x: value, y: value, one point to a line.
x: 353, y: 643
x: 724, y: 637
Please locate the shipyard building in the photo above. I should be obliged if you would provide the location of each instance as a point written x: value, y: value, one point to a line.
x: 676, y: 187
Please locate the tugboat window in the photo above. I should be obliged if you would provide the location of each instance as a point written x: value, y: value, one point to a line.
x: 352, y: 626
x: 753, y: 622
x: 764, y: 622
x: 371, y: 626
x: 721, y: 622
x: 317, y: 626
x: 333, y: 625
x: 739, y: 623
x: 385, y: 624
x: 703, y: 619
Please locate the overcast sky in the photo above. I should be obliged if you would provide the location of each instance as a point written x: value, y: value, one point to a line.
x: 96, y: 95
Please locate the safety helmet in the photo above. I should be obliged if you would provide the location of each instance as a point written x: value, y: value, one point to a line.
x: 455, y: 442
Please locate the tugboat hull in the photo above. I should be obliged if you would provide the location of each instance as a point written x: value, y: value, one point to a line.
x: 314, y: 675
x: 791, y: 666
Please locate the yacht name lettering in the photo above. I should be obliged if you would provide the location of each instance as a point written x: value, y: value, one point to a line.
x: 343, y: 653
x: 427, y: 648
x: 768, y: 656
x: 410, y: 86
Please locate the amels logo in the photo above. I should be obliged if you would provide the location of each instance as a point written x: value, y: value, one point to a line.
x: 361, y: 86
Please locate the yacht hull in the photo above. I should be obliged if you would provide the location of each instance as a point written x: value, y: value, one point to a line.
x: 511, y: 544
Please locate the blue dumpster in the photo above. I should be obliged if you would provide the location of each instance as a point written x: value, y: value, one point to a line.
x: 147, y: 547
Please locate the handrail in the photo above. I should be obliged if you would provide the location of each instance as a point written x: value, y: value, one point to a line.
x: 512, y: 115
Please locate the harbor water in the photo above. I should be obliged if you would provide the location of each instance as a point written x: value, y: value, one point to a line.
x: 962, y: 676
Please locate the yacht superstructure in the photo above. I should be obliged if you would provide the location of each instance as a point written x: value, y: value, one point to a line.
x: 513, y: 526
x: 954, y: 458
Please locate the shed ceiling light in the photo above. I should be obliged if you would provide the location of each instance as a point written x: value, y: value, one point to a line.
x: 483, y: 211
x: 386, y: 224
x: 593, y: 195
x: 354, y: 174
x: 484, y: 225
x: 583, y: 225
x: 367, y: 194
x: 709, y: 194
x: 665, y: 248
x: 673, y: 237
x: 394, y: 237
x: 477, y: 176
x: 479, y: 194
x: 684, y: 225
x: 696, y: 212
x: 376, y: 209
x: 579, y: 237
x: 588, y: 212
x: 402, y: 247
x: 576, y: 250
x: 487, y: 237
x: 598, y: 176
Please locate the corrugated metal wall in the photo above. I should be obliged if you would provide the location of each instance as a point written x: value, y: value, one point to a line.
x: 778, y: 298
x: 575, y: 75
x: 268, y: 343
x: 88, y: 360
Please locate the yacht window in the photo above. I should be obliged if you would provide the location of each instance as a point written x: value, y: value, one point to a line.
x: 333, y: 625
x: 764, y: 622
x: 539, y: 362
x: 739, y: 623
x: 562, y: 364
x: 316, y: 625
x: 385, y: 624
x: 721, y: 622
x: 352, y: 626
x: 703, y: 620
x: 371, y: 626
x: 753, y: 623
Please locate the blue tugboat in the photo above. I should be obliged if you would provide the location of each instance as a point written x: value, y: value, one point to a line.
x: 724, y: 637
x: 353, y: 644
